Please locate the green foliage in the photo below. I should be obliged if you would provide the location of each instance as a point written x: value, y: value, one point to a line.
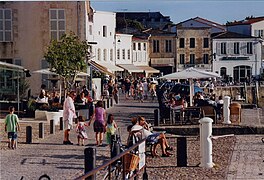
x: 67, y: 57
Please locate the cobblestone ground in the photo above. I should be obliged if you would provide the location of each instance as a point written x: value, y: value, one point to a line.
x: 49, y: 156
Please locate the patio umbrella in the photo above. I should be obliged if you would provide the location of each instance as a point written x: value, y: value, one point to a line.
x: 190, y: 73
x: 47, y: 71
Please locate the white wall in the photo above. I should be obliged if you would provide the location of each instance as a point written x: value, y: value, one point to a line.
x: 140, y: 57
x: 124, y: 44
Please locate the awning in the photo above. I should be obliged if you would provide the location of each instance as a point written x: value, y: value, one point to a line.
x: 149, y: 69
x: 111, y: 67
x: 100, y: 68
x: 131, y: 68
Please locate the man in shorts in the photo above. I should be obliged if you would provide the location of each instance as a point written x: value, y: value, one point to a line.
x: 68, y: 115
x: 11, y: 127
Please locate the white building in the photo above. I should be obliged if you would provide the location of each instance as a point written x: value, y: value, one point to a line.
x: 236, y: 55
x: 101, y: 36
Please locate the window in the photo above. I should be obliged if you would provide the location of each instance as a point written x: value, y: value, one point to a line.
x: 168, y: 47
x: 104, y: 31
x: 236, y: 48
x: 249, y: 48
x: 192, y: 58
x: 139, y: 46
x: 144, y: 47
x: 182, y: 58
x: 206, y: 58
x: 57, y: 23
x: 192, y: 43
x: 128, y: 54
x: 5, y: 25
x: 155, y: 46
x: 90, y: 30
x: 206, y: 42
x: 118, y: 53
x: 182, y: 43
x: 124, y: 53
x: 99, y: 54
x: 223, y: 48
x: 105, y: 54
x: 258, y: 33
x: 134, y: 46
x: 111, y: 55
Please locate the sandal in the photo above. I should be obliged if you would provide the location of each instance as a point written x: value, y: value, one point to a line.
x: 169, y: 148
x: 165, y: 155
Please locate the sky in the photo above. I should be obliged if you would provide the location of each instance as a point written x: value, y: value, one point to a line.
x: 219, y: 11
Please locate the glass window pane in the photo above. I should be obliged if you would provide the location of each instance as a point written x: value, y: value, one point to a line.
x: 54, y: 35
x: 7, y: 36
x: 53, y: 25
x: 61, y: 14
x: 1, y: 25
x: 53, y: 14
x: 1, y: 36
x: 61, y: 33
x: 1, y: 14
x: 7, y: 14
x: 7, y: 25
x: 61, y: 25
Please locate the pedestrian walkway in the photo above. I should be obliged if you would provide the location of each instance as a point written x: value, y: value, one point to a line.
x: 49, y: 156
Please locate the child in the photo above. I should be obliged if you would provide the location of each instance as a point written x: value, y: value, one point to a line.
x: 81, y: 132
x: 110, y: 128
x: 11, y: 127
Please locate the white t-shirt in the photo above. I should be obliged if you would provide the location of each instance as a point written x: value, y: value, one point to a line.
x: 145, y: 133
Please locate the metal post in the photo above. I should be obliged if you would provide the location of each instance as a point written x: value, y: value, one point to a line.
x: 181, y: 152
x: 41, y: 130
x: 61, y: 123
x: 108, y: 103
x: 52, y: 127
x: 156, y: 117
x: 104, y: 104
x: 28, y: 135
x: 89, y: 161
x: 111, y: 102
x: 145, y: 174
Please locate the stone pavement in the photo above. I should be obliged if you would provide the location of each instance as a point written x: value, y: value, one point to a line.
x: 49, y: 156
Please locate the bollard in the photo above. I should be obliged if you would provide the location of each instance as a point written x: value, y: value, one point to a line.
x: 41, y: 130
x: 111, y: 102
x: 89, y: 161
x: 115, y: 147
x: 104, y: 104
x: 52, y: 127
x: 108, y: 103
x: 206, y: 142
x: 226, y: 110
x: 61, y: 123
x: 156, y: 117
x: 28, y: 135
x: 145, y: 174
x: 181, y: 152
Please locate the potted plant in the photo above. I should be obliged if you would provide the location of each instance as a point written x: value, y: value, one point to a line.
x: 31, y: 108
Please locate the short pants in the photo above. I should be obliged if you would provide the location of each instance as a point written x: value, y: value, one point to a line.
x: 68, y: 124
x: 12, y: 135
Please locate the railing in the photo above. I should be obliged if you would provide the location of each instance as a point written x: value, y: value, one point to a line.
x: 108, y: 163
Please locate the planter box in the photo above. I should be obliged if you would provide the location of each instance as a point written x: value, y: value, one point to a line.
x: 55, y: 116
x: 40, y: 115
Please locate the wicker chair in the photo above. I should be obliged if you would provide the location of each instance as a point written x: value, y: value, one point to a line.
x: 235, y: 112
x: 209, y: 111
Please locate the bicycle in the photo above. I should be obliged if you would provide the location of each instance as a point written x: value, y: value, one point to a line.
x: 117, y: 167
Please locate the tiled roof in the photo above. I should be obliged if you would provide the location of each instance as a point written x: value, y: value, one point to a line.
x: 142, y: 15
x: 229, y: 35
x: 248, y: 20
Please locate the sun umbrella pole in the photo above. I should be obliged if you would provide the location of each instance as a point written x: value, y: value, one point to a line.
x: 191, y: 91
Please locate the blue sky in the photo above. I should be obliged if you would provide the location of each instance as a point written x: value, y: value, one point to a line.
x: 219, y: 11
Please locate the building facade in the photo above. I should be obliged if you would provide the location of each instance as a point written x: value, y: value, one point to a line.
x: 194, y: 48
x: 237, y: 56
x: 30, y: 26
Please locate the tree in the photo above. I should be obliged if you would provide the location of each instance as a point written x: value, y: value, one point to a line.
x: 67, y: 57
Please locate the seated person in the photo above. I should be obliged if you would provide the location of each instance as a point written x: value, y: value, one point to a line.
x: 42, y: 98
x: 140, y: 125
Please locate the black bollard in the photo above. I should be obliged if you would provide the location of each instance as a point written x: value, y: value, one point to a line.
x: 104, y: 104
x: 156, y: 117
x: 89, y: 161
x: 41, y: 130
x: 108, y: 103
x: 111, y: 102
x: 181, y: 152
x: 61, y: 123
x: 115, y: 147
x: 52, y: 127
x: 145, y: 174
x: 28, y: 135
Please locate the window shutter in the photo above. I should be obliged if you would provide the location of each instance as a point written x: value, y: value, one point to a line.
x: 218, y: 48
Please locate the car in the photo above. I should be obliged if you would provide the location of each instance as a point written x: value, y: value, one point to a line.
x: 184, y: 89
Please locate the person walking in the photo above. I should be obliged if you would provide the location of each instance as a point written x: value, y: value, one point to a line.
x: 99, y: 118
x: 68, y: 115
x: 11, y: 127
x: 111, y: 127
x: 81, y: 132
